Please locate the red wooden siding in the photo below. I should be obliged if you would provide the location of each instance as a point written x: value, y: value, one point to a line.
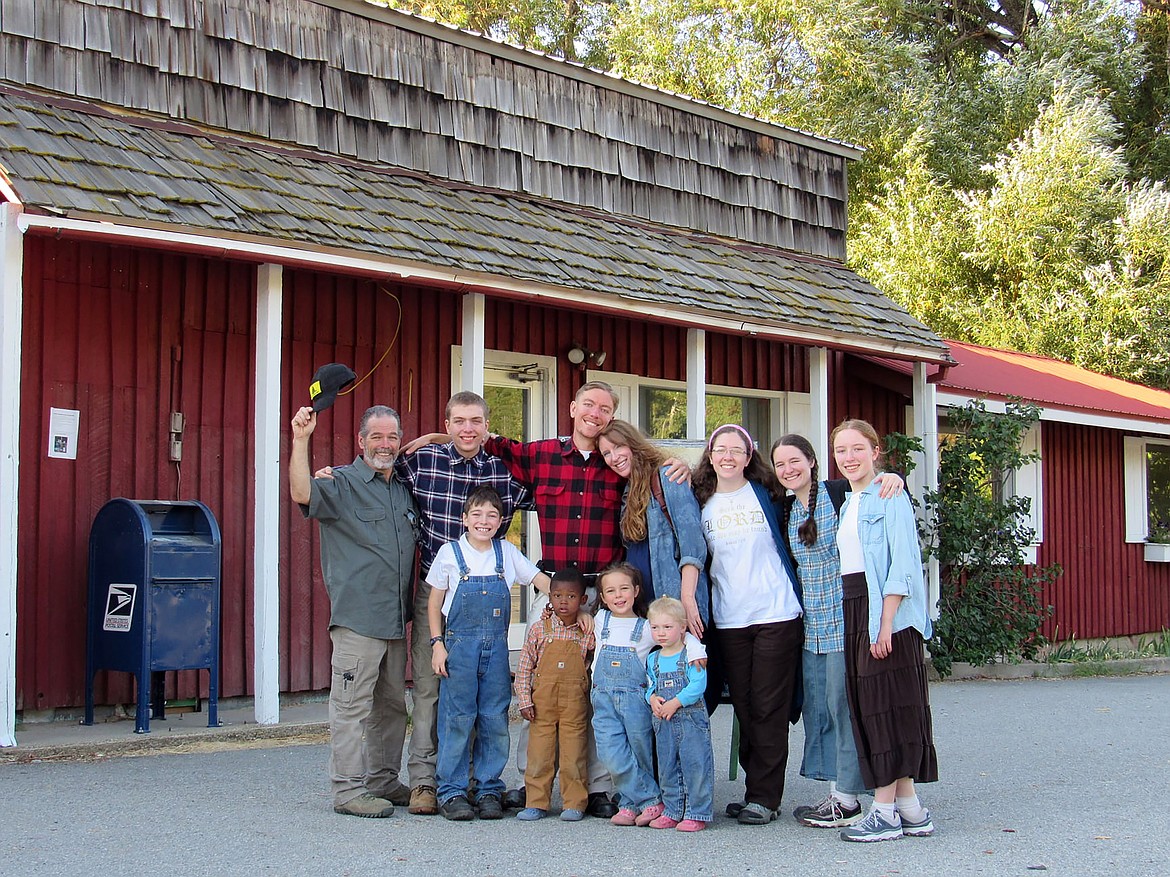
x: 1108, y: 588
x: 329, y: 318
x: 756, y: 364
x: 126, y: 336
x: 632, y: 346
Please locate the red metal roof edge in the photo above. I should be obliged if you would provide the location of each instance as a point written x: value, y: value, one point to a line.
x: 992, y: 372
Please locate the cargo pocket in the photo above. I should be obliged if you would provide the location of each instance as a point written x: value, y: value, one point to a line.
x: 371, y: 518
x: 344, y: 684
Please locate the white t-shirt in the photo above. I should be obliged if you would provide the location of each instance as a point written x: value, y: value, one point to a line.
x: 848, y: 538
x: 621, y: 629
x: 749, y: 584
x: 444, y: 572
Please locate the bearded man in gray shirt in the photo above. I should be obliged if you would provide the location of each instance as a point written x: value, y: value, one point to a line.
x: 369, y: 528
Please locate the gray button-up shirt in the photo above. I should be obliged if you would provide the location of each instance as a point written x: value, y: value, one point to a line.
x: 369, y: 529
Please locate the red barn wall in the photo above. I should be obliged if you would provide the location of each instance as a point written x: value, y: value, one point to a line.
x: 125, y: 336
x: 1108, y: 588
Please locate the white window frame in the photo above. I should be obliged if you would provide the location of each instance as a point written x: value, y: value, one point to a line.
x: 783, y: 407
x: 1028, y: 481
x: 1137, y: 495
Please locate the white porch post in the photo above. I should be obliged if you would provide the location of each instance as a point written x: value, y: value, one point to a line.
x: 473, y: 342
x: 696, y: 384
x: 269, y: 495
x: 11, y: 321
x: 818, y: 390
x: 926, y: 428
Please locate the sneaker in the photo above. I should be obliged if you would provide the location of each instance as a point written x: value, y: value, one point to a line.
x: 755, y: 814
x: 423, y: 801
x: 690, y: 825
x: 873, y: 827
x: 515, y: 799
x: 830, y: 813
x: 649, y: 814
x: 624, y: 816
x: 922, y: 828
x: 572, y: 814
x: 735, y: 808
x: 664, y: 821
x: 489, y: 807
x: 367, y: 806
x: 457, y: 809
x: 531, y: 814
x: 804, y: 809
x: 600, y: 806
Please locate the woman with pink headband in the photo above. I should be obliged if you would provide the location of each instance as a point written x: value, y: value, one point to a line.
x: 756, y: 610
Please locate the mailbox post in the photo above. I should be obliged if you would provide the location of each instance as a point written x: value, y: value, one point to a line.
x: 154, y: 592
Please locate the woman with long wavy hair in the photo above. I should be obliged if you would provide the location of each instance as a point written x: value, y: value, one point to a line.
x: 660, y: 523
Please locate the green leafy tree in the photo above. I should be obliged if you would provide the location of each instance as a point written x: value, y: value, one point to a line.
x: 990, y: 604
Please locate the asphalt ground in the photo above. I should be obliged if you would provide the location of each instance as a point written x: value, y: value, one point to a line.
x: 1062, y: 776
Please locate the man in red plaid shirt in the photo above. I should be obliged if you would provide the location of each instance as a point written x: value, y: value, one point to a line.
x: 577, y: 497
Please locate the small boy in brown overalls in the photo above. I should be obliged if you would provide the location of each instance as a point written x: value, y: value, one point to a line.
x: 552, y: 687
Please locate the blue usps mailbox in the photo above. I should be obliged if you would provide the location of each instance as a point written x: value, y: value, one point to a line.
x: 154, y: 586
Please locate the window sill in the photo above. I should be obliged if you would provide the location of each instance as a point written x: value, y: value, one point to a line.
x: 1158, y: 552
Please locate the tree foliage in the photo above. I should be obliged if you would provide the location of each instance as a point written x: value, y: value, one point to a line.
x: 990, y: 603
x: 1011, y: 192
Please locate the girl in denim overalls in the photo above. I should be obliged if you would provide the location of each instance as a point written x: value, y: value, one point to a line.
x: 682, y: 730
x: 621, y: 715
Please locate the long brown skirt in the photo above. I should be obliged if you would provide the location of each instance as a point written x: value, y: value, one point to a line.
x: 888, y: 699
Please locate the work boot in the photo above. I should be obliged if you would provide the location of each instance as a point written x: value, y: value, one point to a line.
x: 423, y: 801
x: 366, y: 805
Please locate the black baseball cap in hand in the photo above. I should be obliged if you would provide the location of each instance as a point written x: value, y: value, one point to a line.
x: 328, y: 381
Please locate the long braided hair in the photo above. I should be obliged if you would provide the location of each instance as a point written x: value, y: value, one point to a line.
x: 808, y: 530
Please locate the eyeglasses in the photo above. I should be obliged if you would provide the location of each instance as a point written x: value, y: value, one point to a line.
x: 723, y: 452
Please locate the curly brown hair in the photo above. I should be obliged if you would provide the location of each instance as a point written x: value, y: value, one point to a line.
x: 704, y: 479
x: 645, y: 460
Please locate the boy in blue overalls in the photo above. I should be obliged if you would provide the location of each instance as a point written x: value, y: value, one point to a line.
x: 471, y: 581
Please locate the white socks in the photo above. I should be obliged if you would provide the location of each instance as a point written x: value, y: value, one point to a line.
x: 848, y: 800
x: 911, y: 808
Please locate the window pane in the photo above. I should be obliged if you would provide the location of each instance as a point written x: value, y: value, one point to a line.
x: 1158, y: 484
x: 663, y: 413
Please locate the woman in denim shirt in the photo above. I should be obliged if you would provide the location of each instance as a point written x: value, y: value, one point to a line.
x: 660, y: 523
x: 886, y: 623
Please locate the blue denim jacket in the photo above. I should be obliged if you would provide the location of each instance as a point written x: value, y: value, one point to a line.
x: 893, y: 560
x: 669, y: 555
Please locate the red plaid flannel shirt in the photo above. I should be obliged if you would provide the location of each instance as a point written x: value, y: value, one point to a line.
x: 578, y: 500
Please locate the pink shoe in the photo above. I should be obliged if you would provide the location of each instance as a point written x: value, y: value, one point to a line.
x: 625, y: 816
x: 650, y: 814
x: 664, y: 821
x: 690, y: 825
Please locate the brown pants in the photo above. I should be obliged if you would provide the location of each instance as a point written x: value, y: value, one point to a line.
x: 560, y: 694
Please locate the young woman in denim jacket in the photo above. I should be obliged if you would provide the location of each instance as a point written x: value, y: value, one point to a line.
x: 660, y: 523
x: 886, y: 622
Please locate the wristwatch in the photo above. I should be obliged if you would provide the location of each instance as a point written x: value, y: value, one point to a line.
x: 436, y: 639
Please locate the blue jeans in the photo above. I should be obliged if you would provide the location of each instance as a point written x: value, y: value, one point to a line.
x: 686, y: 767
x: 621, y: 728
x: 830, y: 752
x: 476, y: 694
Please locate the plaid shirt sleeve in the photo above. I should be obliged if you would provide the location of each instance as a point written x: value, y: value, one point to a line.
x: 529, y: 658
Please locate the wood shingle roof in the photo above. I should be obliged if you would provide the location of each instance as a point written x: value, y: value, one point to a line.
x: 74, y: 159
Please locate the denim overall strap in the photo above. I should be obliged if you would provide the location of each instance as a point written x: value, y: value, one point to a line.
x: 482, y: 604
x: 618, y: 667
x: 670, y: 683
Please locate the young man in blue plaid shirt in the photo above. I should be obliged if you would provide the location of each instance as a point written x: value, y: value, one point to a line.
x: 440, y: 477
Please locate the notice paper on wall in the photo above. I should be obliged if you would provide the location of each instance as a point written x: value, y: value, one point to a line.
x: 63, y: 433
